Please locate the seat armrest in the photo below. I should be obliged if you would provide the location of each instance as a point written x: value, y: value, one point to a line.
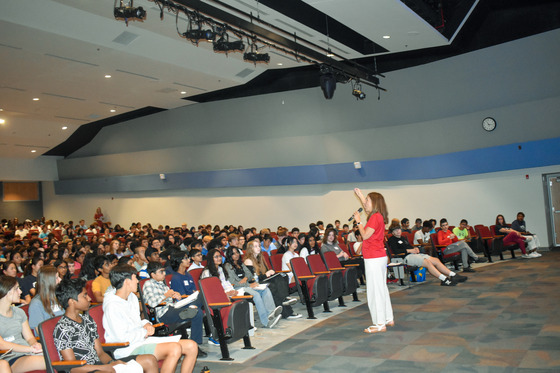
x: 309, y: 277
x: 351, y: 265
x: 322, y: 272
x: 68, y: 364
x: 217, y: 306
x: 240, y: 297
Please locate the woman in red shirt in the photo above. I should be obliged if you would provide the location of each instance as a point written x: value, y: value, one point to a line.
x: 375, y: 259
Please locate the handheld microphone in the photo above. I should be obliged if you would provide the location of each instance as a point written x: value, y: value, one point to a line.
x: 352, y: 217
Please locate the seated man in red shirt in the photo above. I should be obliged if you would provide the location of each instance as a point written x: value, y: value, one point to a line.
x: 447, y: 238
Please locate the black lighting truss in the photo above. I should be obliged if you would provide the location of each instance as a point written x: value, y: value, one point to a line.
x: 300, y: 48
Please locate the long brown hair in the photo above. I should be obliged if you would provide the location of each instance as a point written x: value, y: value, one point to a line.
x: 7, y: 283
x: 46, y: 285
x: 258, y: 261
x: 378, y: 204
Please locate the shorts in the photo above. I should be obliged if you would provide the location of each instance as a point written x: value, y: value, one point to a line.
x: 416, y: 260
x: 14, y: 359
x: 144, y: 349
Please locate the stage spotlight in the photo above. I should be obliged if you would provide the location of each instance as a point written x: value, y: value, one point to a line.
x: 256, y: 57
x: 327, y: 81
x: 359, y: 94
x: 126, y: 11
x: 224, y: 45
x: 197, y: 35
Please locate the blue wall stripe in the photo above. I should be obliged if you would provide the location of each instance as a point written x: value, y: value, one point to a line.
x: 494, y: 159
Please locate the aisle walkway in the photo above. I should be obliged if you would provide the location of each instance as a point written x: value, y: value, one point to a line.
x: 504, y: 319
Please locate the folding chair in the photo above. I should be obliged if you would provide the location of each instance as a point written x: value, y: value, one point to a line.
x: 230, y: 319
x: 313, y: 290
x: 349, y: 274
x: 335, y: 285
x: 53, y: 362
x: 445, y: 258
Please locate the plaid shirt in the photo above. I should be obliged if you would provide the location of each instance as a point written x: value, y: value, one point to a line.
x: 154, y: 294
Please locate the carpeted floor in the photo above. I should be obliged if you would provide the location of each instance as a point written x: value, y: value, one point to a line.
x: 505, y: 318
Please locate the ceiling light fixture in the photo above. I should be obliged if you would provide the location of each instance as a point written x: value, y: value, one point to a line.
x: 64, y: 128
x: 127, y: 11
x: 107, y: 76
x: 224, y: 45
x: 386, y: 36
x: 254, y: 56
x: 357, y: 91
x: 327, y: 81
x: 34, y: 151
x: 112, y: 110
x: 2, y: 121
x: 35, y: 98
x: 183, y: 92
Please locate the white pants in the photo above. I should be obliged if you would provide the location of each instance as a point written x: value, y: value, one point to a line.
x: 532, y: 242
x: 379, y: 301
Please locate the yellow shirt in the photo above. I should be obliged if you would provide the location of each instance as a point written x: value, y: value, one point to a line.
x: 100, y: 284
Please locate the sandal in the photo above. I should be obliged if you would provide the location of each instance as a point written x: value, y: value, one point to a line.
x: 391, y: 323
x: 375, y: 329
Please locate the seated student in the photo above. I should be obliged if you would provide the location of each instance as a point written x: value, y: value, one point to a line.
x: 9, y: 269
x: 447, y: 238
x: 156, y: 291
x: 291, y: 243
x: 152, y: 255
x: 278, y: 285
x: 267, y: 245
x: 531, y: 239
x: 75, y: 334
x: 510, y: 236
x: 195, y: 256
x: 242, y: 278
x: 15, y: 333
x: 44, y: 305
x: 101, y: 283
x: 405, y: 225
x: 411, y: 255
x: 214, y: 268
x: 29, y: 281
x: 462, y: 231
x: 422, y: 238
x: 140, y: 261
x: 122, y: 323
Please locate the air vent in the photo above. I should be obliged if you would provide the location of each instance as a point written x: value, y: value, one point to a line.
x: 14, y: 88
x: 112, y: 104
x: 70, y: 59
x: 125, y: 38
x: 136, y: 74
x: 61, y: 96
x: 71, y: 118
x: 245, y: 72
x: 190, y: 86
x: 9, y: 46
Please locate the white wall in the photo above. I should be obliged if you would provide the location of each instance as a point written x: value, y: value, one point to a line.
x: 38, y: 169
x: 477, y: 198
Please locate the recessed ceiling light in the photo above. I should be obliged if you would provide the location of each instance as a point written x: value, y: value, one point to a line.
x: 107, y: 76
x: 386, y: 36
x: 35, y: 98
x: 280, y: 64
x: 34, y: 151
x: 1, y: 109
x: 64, y: 128
x: 112, y: 110
x: 2, y: 121
x: 183, y: 92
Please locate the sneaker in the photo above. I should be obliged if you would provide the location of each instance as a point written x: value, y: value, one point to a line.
x: 272, y: 324
x: 448, y: 282
x: 480, y: 259
x: 458, y: 278
x: 537, y: 254
x: 294, y: 316
x: 527, y: 256
x: 468, y: 269
x: 277, y: 312
x: 534, y: 255
x: 202, y: 353
x: 289, y: 301
x: 213, y: 342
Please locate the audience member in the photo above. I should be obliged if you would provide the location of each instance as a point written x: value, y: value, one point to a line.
x: 453, y: 245
x: 531, y: 239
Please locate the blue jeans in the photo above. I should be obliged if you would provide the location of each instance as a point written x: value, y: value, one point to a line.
x: 263, y: 302
x: 172, y: 317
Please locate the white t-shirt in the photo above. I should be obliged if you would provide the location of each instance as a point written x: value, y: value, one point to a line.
x: 421, y: 236
x: 288, y: 255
